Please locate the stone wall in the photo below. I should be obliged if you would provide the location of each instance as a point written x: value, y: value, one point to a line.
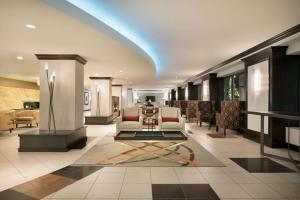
x: 13, y: 93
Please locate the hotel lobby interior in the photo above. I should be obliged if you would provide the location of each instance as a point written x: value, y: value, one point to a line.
x: 149, y: 99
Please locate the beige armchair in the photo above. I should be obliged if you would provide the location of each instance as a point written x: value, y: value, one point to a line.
x: 7, y: 120
x: 170, y: 119
x: 27, y: 117
x: 130, y: 120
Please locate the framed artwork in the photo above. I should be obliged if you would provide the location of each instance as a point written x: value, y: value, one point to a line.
x: 86, y: 98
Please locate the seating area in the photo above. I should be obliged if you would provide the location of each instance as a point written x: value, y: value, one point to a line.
x: 12, y: 119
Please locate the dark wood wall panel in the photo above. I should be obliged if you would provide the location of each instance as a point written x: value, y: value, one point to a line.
x: 180, y: 93
x: 192, y: 91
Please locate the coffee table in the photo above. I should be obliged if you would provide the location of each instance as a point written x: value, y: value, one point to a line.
x: 160, y: 140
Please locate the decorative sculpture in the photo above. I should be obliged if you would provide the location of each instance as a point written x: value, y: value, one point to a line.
x: 98, y: 101
x: 51, y: 90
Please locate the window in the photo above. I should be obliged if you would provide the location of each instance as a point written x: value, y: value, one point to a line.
x: 234, y: 87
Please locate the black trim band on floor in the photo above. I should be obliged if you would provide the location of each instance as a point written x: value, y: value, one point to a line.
x: 48, y: 184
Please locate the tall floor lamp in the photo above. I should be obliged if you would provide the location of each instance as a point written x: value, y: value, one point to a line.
x: 50, y: 83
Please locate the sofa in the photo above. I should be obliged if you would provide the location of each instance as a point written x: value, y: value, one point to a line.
x: 7, y: 120
x: 130, y: 119
x: 28, y: 117
x: 170, y: 119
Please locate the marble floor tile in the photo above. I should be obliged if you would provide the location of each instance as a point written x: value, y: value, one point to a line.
x: 260, y: 191
x: 74, y: 191
x: 230, y: 190
x: 138, y: 177
x: 136, y: 191
x: 109, y: 190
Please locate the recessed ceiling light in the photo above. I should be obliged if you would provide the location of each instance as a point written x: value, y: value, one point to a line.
x: 30, y: 26
x: 96, y: 74
x: 121, y: 71
x: 19, y: 57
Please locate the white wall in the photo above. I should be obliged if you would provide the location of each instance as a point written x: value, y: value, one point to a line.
x: 117, y: 91
x: 258, y: 94
x: 159, y: 97
x: 231, y: 69
x: 129, y: 97
x: 294, y: 48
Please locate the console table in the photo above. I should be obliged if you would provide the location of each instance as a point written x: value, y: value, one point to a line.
x: 279, y: 115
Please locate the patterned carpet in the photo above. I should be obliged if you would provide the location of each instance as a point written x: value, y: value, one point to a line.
x: 128, y: 153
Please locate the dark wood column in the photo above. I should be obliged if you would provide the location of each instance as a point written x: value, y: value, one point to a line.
x: 180, y: 93
x: 213, y: 87
x: 192, y: 91
x: 284, y: 91
x: 173, y: 94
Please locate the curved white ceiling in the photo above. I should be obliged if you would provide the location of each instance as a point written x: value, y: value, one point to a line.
x: 186, y: 37
x: 60, y: 33
x: 182, y: 38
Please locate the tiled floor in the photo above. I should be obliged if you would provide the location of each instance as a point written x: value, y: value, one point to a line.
x: 16, y: 167
x: 230, y: 182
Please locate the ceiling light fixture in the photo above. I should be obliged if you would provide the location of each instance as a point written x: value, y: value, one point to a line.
x: 121, y: 71
x: 19, y: 57
x: 30, y: 26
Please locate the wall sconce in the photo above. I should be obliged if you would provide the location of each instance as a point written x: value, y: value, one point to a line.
x: 135, y: 96
x: 205, y: 90
x: 186, y: 94
x: 257, y: 82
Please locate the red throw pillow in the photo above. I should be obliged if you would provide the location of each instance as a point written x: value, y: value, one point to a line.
x: 130, y: 118
x: 170, y: 119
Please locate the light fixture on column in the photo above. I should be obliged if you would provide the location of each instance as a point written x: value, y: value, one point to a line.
x: 257, y: 82
x: 51, y: 83
x: 98, y: 101
x: 186, y: 94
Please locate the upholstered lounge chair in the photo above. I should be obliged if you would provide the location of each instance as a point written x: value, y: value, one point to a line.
x: 170, y: 119
x: 229, y: 118
x: 192, y: 109
x: 206, y: 113
x: 130, y: 120
x: 7, y: 120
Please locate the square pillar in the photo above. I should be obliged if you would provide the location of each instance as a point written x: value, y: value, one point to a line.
x: 68, y: 97
x: 101, y: 103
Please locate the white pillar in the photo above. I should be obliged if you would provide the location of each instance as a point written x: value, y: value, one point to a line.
x: 68, y: 91
x: 124, y: 96
x: 129, y: 97
x: 101, y: 103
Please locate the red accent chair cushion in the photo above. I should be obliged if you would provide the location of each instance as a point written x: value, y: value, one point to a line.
x: 170, y: 119
x: 130, y: 118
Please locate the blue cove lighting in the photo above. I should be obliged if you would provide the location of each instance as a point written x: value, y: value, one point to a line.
x: 96, y: 9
